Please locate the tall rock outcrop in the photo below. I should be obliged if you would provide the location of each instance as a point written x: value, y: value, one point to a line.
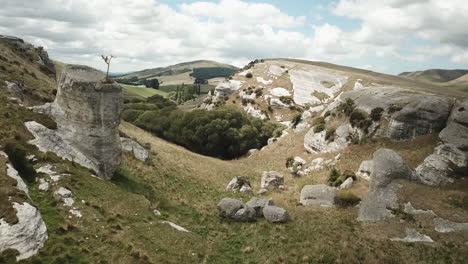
x: 87, y: 111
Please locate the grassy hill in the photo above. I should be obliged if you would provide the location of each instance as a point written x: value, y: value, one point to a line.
x: 181, y: 73
x: 452, y: 79
x: 132, y: 91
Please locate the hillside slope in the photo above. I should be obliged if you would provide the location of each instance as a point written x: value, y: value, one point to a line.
x: 181, y: 73
x: 434, y: 75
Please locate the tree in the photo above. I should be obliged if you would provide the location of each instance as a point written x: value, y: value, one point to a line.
x: 107, y: 60
x: 153, y: 83
x: 200, y: 81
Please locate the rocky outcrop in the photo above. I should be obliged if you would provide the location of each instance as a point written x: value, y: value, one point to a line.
x: 320, y: 194
x: 451, y: 157
x: 365, y: 169
x: 447, y: 226
x: 87, y: 112
x: 131, y: 146
x: 317, y: 142
x: 387, y: 166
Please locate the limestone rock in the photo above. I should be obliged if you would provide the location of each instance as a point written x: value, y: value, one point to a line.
x: 228, y: 207
x: 239, y: 184
x: 408, y: 208
x: 388, y: 165
x: 347, y: 183
x: 375, y: 206
x: 454, y: 155
x: 20, y: 184
x: 435, y: 170
x: 175, y: 226
x: 43, y: 185
x: 236, y: 210
x: 413, y: 236
x: 87, y: 113
x: 420, y: 117
x: 365, y: 169
x: 245, y: 214
x: 274, y: 214
x: 320, y: 194
x: 28, y: 235
x: 64, y: 195
x: 316, y: 142
x: 382, y: 195
x: 131, y: 146
x: 16, y: 88
x: 460, y: 113
x: 455, y: 134
x: 258, y: 204
x: 446, y: 226
x: 271, y: 180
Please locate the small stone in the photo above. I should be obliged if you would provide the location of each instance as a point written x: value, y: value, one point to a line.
x: 347, y: 183
x: 262, y: 191
x: 43, y: 185
x: 156, y: 212
x: 274, y: 214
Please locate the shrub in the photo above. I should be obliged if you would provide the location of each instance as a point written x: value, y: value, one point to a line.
x: 356, y: 117
x: 319, y: 128
x: 131, y: 115
x: 289, y: 162
x: 376, y: 113
x: 286, y: 99
x: 330, y: 134
x: 296, y: 119
x: 349, y: 174
x: 259, y: 92
x: 327, y: 114
x: 318, y: 120
x: 17, y: 155
x: 249, y: 75
x: 346, y: 107
x: 394, y: 108
x: 346, y: 198
x: 333, y: 175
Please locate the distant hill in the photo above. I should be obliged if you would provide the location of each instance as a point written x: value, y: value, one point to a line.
x: 455, y: 79
x: 184, y: 72
x: 434, y: 75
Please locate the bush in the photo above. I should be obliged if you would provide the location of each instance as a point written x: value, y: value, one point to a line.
x: 319, y: 128
x: 17, y: 156
x: 259, y: 92
x: 376, y: 113
x: 333, y: 175
x: 330, y: 134
x: 356, y: 117
x: 131, y: 115
x: 394, y: 108
x: 318, y: 120
x: 289, y: 162
x: 296, y: 119
x: 249, y: 75
x: 327, y: 114
x: 346, y: 199
x: 346, y: 107
x: 349, y: 174
x: 286, y: 99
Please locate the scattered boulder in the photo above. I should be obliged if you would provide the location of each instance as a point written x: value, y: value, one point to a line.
x: 446, y: 226
x: 252, y: 152
x: 239, y: 184
x: 409, y: 209
x: 87, y: 112
x: 271, y: 180
x: 388, y: 166
x: 258, y: 204
x: 455, y: 134
x: 245, y: 214
x: 229, y: 208
x: 274, y: 214
x: 365, y: 169
x: 413, y: 236
x: 262, y: 191
x: 131, y: 146
x: 320, y: 194
x: 28, y: 235
x: 43, y: 185
x: 454, y: 155
x: 382, y: 195
x: 64, y: 195
x: 175, y: 226
x: 17, y: 89
x: 347, y: 183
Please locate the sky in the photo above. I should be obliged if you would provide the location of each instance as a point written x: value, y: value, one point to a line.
x: 390, y: 36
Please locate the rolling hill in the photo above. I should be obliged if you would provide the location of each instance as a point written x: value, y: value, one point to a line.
x: 185, y: 72
x: 455, y: 79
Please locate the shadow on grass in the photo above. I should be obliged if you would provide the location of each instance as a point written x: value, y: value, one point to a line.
x: 124, y: 180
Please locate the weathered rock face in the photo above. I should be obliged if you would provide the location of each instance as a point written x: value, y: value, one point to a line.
x: 272, y: 180
x: 316, y: 142
x: 420, y: 117
x: 259, y: 204
x: 388, y: 165
x: 87, y: 113
x: 239, y: 184
x: 274, y: 214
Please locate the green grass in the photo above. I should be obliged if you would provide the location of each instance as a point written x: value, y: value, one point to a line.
x: 131, y: 91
